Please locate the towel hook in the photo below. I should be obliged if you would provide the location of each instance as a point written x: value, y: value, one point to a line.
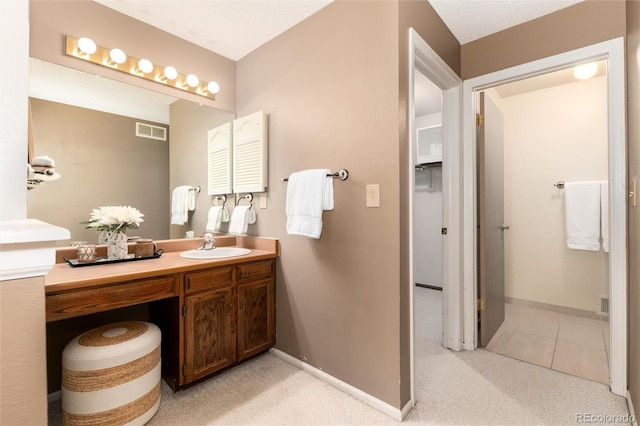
x: 248, y: 197
x: 222, y: 198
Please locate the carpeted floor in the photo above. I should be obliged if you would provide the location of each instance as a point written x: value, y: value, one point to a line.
x: 452, y: 388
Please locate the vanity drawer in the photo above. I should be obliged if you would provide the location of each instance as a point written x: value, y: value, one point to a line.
x: 118, y: 295
x: 255, y: 270
x: 209, y: 279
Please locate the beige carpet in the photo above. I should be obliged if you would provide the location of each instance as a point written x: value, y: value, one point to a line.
x: 452, y: 388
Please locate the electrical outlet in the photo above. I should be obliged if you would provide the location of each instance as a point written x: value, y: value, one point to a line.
x: 373, y: 195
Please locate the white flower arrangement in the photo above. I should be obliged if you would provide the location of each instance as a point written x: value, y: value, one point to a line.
x: 114, y: 218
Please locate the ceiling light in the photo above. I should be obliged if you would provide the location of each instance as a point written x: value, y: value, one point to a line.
x: 145, y: 65
x: 585, y: 71
x: 86, y: 46
x: 192, y: 80
x: 117, y: 56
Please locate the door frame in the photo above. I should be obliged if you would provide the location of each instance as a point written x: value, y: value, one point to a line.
x: 613, y: 52
x: 428, y: 62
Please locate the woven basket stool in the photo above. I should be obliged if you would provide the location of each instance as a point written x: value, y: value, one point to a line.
x: 111, y: 375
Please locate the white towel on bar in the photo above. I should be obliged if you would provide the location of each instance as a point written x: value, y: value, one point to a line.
x: 239, y: 220
x: 309, y: 193
x: 582, y: 214
x: 604, y: 214
x: 183, y: 200
x: 214, y: 218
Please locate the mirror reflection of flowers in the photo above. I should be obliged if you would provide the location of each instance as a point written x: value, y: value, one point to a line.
x: 114, y: 218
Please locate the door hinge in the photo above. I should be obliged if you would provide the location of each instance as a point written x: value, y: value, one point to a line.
x: 444, y: 231
x: 480, y: 305
x: 479, y: 119
x: 184, y: 310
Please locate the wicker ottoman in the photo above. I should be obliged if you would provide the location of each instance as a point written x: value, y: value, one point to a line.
x: 111, y: 375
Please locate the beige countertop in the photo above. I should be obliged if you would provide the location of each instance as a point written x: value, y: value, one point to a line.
x: 63, y: 277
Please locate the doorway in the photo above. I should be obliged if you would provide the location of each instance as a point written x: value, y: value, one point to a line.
x: 554, y: 295
x: 613, y: 53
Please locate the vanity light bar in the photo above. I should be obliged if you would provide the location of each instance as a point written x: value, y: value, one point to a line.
x: 84, y: 48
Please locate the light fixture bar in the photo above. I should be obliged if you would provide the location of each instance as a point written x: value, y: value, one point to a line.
x: 143, y: 69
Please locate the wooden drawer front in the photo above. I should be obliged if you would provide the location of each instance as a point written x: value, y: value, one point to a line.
x: 209, y: 279
x: 81, y: 302
x: 255, y: 270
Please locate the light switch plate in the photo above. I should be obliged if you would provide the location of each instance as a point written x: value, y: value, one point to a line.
x: 373, y: 195
x: 263, y: 200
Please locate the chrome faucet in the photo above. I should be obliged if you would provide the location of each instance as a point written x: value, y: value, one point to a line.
x: 209, y: 242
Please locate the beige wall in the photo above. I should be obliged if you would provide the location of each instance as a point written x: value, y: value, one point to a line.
x: 23, y: 388
x: 102, y: 162
x: 52, y: 20
x: 188, y: 152
x: 332, y: 100
x: 633, y: 93
x: 566, y: 141
x: 583, y: 24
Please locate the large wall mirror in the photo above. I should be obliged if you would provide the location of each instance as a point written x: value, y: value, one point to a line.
x: 87, y: 124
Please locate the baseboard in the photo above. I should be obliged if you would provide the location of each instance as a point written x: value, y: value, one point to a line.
x: 345, y: 387
x: 54, y: 396
x: 631, y: 410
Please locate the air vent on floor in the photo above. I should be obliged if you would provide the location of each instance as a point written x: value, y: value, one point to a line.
x: 150, y: 131
x: 603, y: 306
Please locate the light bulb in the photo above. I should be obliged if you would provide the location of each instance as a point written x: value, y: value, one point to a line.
x: 86, y: 46
x: 585, y: 71
x: 145, y: 65
x: 213, y: 87
x: 171, y: 73
x: 118, y: 56
x: 192, y: 80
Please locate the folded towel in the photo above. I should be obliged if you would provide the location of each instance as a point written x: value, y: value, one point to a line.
x: 582, y: 215
x: 309, y: 193
x: 239, y: 220
x: 224, y: 215
x: 214, y: 217
x: 251, y: 218
x: 604, y: 214
x: 183, y: 200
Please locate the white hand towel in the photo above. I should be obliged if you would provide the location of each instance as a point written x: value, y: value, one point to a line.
x: 224, y: 216
x: 604, y: 214
x: 251, y: 218
x: 582, y: 214
x: 309, y: 193
x: 182, y: 200
x: 214, y: 218
x: 239, y: 220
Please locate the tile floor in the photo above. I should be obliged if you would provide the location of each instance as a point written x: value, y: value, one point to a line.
x: 571, y: 344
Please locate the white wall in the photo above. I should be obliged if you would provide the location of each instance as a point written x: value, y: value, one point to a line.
x: 555, y: 134
x: 428, y: 217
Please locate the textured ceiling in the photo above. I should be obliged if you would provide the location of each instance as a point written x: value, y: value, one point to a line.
x: 470, y: 20
x: 231, y: 28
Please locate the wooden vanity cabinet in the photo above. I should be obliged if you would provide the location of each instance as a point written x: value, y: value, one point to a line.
x: 229, y: 315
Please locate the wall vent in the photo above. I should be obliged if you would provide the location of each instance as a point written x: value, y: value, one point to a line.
x: 603, y: 306
x: 150, y: 131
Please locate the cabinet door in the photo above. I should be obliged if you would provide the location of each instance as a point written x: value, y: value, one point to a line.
x: 256, y: 317
x: 210, y: 334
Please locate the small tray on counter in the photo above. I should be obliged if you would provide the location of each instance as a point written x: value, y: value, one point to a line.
x: 102, y: 260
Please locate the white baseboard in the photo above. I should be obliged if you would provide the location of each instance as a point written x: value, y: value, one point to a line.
x: 631, y: 410
x: 346, y: 388
x: 54, y: 396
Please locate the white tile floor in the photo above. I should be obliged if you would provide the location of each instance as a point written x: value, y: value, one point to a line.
x: 571, y: 344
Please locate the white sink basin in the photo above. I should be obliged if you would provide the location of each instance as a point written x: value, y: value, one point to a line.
x: 217, y: 253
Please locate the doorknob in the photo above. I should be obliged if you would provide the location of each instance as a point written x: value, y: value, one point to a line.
x: 504, y: 227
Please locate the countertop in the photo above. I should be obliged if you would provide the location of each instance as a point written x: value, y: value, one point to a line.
x: 63, y: 277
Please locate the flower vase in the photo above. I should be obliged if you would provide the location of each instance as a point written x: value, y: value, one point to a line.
x: 103, y: 237
x: 117, y: 247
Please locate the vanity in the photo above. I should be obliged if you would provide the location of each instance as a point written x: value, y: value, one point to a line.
x: 213, y: 313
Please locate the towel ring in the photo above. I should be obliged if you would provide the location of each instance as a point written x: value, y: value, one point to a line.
x: 248, y: 197
x: 222, y: 198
